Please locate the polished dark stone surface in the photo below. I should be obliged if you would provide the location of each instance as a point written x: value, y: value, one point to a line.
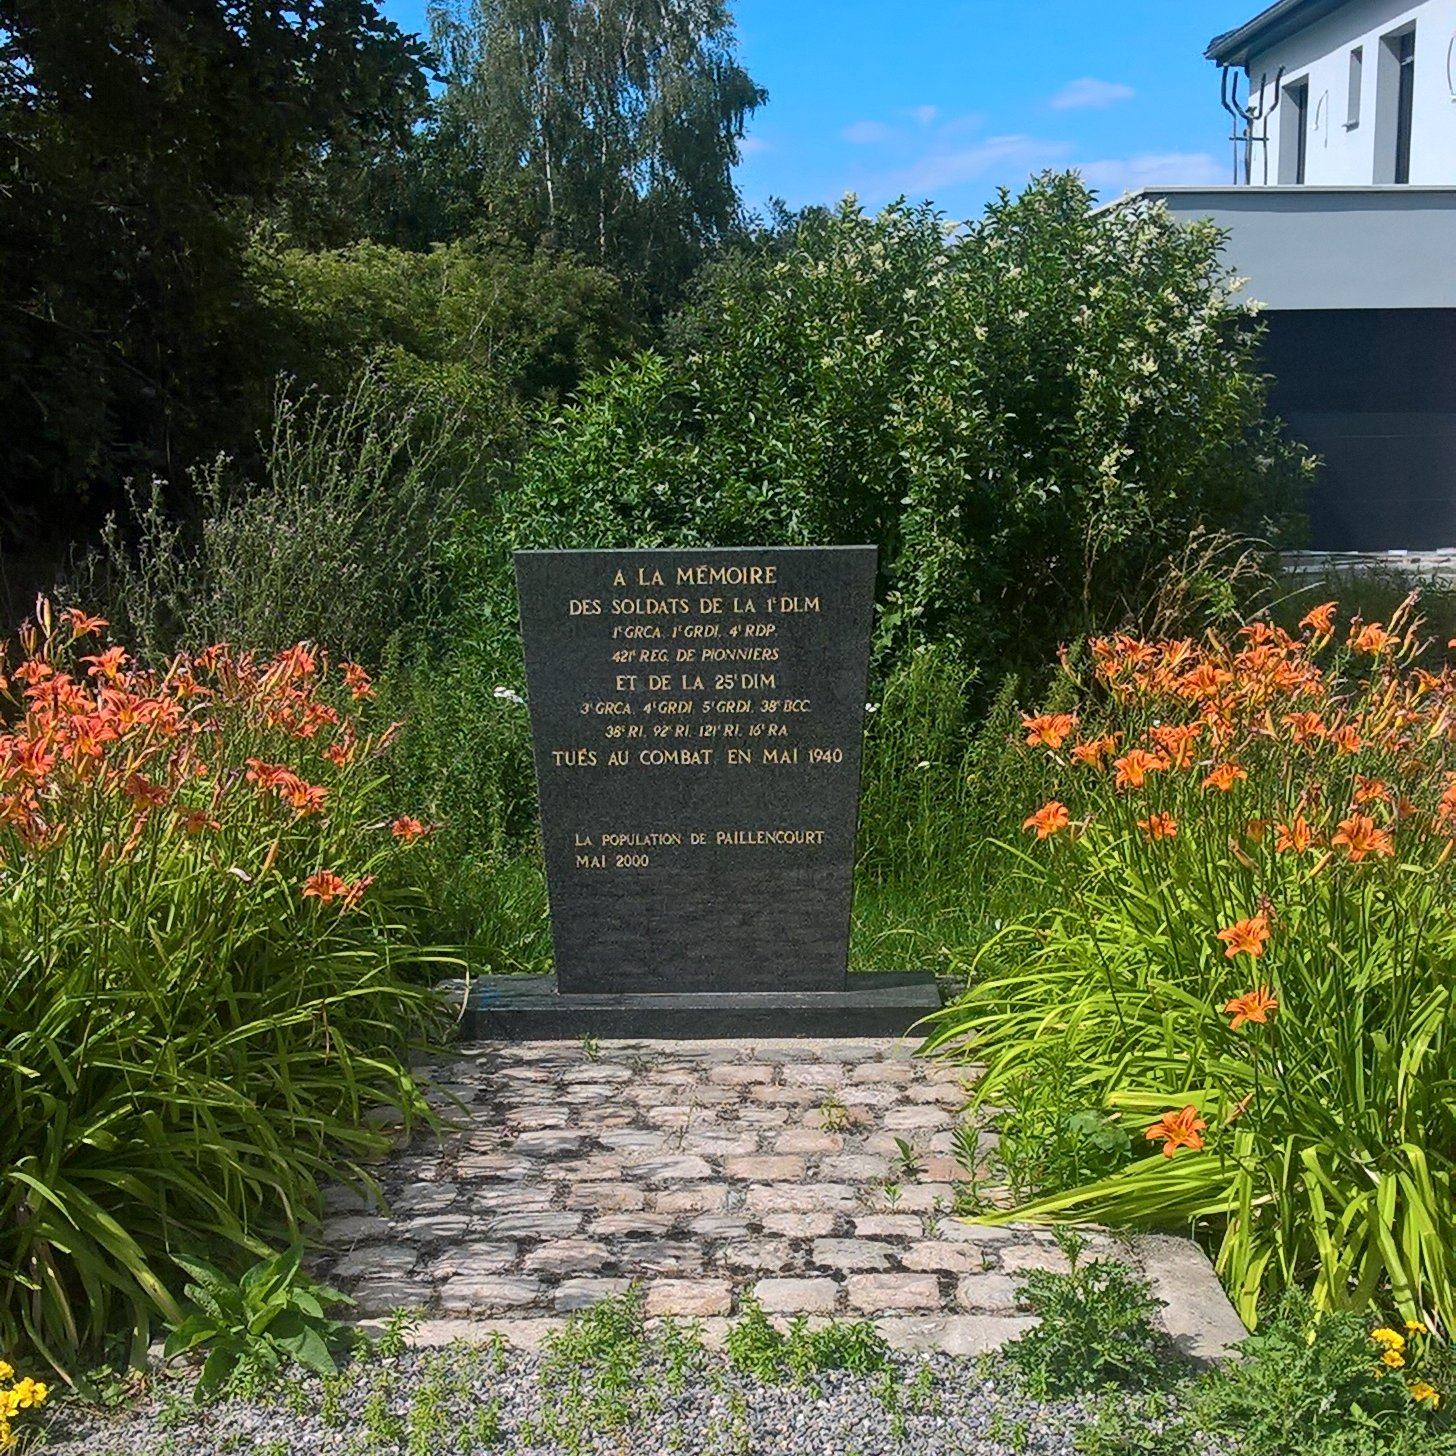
x: 529, y: 1008
x: 718, y: 869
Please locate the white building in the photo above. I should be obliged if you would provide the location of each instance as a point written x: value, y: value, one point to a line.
x: 1343, y: 221
x: 1345, y: 92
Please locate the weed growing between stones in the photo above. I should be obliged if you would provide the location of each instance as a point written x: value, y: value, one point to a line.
x: 591, y: 1372
x: 834, y: 1116
x: 1095, y: 1328
x: 908, y: 1160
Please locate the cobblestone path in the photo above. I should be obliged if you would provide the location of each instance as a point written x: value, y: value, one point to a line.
x: 816, y: 1174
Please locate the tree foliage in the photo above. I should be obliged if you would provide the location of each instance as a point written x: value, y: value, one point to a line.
x: 606, y: 127
x: 136, y: 138
x: 493, y: 325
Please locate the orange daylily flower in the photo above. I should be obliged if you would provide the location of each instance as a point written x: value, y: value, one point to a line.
x: 1182, y: 1129
x: 1095, y: 752
x: 1246, y: 937
x: 1297, y: 835
x: 1204, y: 681
x: 106, y: 664
x: 1259, y: 1005
x: 81, y: 624
x: 1135, y: 765
x: 324, y: 886
x: 407, y: 829
x: 1321, y: 619
x: 1225, y: 776
x: 1303, y: 726
x: 33, y: 670
x: 1446, y: 807
x: 1176, y: 741
x: 358, y: 681
x: 1049, y: 729
x: 1371, y: 638
x: 305, y: 798
x: 1359, y: 835
x: 143, y: 793
x: 1050, y: 819
x: 1346, y: 738
x: 296, y: 661
x: 1159, y: 826
x: 1368, y: 790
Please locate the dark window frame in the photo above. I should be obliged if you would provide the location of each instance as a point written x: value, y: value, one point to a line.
x: 1405, y: 100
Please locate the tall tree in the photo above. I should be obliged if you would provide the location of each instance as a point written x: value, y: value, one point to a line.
x: 608, y: 127
x: 137, y: 139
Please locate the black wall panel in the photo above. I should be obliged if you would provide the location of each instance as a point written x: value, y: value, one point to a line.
x: 1373, y: 392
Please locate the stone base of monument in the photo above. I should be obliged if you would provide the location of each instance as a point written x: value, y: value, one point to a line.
x: 531, y: 1008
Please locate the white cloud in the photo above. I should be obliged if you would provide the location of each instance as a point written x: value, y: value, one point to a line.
x: 867, y: 133
x: 1089, y: 92
x: 1115, y: 175
x: 751, y: 146
x: 925, y: 115
x: 1017, y: 154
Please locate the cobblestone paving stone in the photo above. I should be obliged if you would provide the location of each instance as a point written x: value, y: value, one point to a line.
x: 703, y: 1171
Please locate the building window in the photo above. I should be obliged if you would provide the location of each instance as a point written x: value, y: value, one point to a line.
x: 1405, y: 103
x: 1395, y: 93
x: 1294, y: 133
x: 1357, y: 77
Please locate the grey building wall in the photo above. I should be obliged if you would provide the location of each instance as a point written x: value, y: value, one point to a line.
x: 1330, y: 247
x: 1358, y: 290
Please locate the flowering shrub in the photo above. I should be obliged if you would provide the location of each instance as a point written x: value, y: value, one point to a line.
x: 1249, y: 847
x: 1327, y: 1384
x: 17, y: 1396
x: 204, y: 981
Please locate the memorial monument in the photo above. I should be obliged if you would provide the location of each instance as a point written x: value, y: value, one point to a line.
x: 697, y: 718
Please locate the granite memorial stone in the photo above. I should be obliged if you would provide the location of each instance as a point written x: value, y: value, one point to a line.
x: 697, y: 718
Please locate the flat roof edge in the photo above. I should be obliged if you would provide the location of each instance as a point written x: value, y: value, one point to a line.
x: 1300, y: 189
x: 1276, y: 195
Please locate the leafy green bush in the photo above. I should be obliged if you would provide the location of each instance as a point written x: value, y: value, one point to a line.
x: 1326, y: 1386
x: 489, y: 328
x: 210, y: 977
x: 1095, y: 1329
x: 1050, y: 1134
x: 1025, y: 415
x: 340, y: 541
x: 1305, y: 1385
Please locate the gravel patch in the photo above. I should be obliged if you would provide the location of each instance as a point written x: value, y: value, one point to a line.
x: 469, y: 1399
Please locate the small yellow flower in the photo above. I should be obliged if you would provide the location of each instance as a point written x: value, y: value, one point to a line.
x: 1393, y: 1359
x: 1389, y: 1339
x: 1424, y: 1393
x: 6, y: 1370
x: 1415, y: 1327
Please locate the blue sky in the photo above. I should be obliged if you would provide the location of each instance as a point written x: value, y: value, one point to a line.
x: 949, y: 99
